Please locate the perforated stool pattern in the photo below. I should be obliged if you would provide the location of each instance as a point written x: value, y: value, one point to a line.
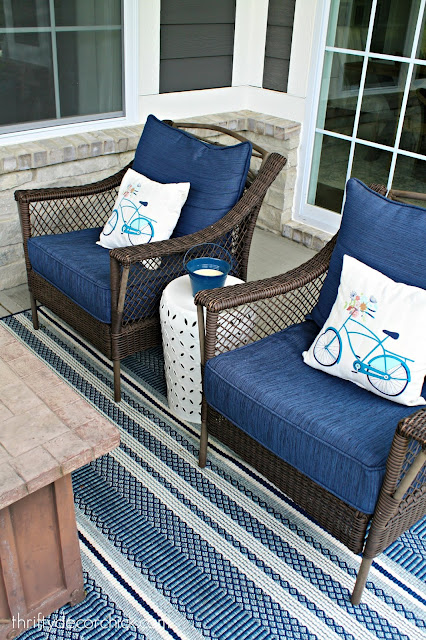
x: 181, y: 348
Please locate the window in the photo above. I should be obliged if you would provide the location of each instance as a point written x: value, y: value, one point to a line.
x: 371, y: 117
x: 61, y: 61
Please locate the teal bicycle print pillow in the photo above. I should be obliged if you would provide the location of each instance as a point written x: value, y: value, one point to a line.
x: 374, y: 335
x: 144, y: 211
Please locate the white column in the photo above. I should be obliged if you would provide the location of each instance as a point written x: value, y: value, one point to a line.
x: 251, y: 19
x: 301, y: 47
x: 149, y: 47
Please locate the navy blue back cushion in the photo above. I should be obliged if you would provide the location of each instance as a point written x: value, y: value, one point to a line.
x: 217, y: 174
x: 386, y: 235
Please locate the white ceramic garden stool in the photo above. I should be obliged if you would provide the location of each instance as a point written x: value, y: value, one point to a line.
x: 181, y: 347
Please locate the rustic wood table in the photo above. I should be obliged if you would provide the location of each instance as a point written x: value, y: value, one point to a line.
x: 46, y: 431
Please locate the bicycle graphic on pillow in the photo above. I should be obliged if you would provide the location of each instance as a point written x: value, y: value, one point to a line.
x: 386, y: 371
x: 135, y: 225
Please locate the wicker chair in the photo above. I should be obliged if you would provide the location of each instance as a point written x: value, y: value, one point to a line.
x: 283, y: 302
x: 133, y: 327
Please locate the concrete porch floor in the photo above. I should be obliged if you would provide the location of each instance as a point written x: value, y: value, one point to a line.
x: 270, y: 255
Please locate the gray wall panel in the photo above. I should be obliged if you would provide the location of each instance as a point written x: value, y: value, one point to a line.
x: 195, y: 40
x: 186, y: 74
x: 275, y: 70
x: 278, y: 44
x: 208, y: 11
x: 281, y: 12
x: 196, y: 44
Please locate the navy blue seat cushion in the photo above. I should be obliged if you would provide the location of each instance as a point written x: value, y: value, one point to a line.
x: 217, y: 174
x: 336, y: 433
x: 80, y: 268
x: 386, y: 235
x: 77, y: 266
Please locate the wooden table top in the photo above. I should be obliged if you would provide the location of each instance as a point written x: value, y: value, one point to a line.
x: 47, y: 430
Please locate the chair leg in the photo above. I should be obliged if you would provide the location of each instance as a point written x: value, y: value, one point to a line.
x: 361, y: 579
x: 34, y: 313
x: 202, y: 456
x: 117, y: 385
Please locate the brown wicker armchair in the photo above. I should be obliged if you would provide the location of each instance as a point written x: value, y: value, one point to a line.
x: 278, y: 303
x: 62, y: 210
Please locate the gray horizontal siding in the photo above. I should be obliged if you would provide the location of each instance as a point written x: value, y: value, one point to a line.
x: 278, y: 44
x: 275, y: 72
x: 196, y: 46
x: 202, y: 11
x: 189, y: 74
x: 281, y: 13
x: 196, y: 40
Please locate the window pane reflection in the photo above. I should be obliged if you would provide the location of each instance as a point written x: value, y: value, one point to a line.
x: 348, y: 24
x: 332, y: 158
x: 413, y: 137
x: 394, y: 27
x: 381, y: 102
x: 87, y: 12
x: 24, y: 13
x: 89, y: 68
x: 26, y: 78
x: 371, y: 165
x: 410, y: 176
x: 421, y: 50
x: 338, y: 100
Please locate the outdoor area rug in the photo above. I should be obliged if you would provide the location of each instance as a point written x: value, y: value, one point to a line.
x: 170, y: 550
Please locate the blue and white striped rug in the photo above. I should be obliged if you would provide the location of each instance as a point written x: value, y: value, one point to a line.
x: 173, y: 551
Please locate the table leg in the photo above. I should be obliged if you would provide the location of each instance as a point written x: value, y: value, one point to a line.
x: 40, y: 558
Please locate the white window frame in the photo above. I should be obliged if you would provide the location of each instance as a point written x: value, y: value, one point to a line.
x: 313, y: 215
x: 142, y: 68
x: 130, y: 107
x: 142, y: 71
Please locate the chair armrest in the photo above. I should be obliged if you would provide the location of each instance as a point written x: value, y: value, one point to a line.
x: 263, y: 307
x: 63, y: 209
x: 151, y: 266
x: 128, y: 256
x: 414, y: 426
x: 260, y: 290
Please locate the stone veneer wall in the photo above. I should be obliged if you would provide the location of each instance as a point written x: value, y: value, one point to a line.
x: 57, y: 162
x: 88, y: 157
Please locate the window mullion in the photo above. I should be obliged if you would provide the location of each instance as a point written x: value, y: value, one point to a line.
x: 54, y: 58
x: 406, y: 92
x: 361, y: 92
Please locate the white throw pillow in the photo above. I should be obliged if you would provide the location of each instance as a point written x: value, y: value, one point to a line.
x: 144, y: 211
x: 375, y: 335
